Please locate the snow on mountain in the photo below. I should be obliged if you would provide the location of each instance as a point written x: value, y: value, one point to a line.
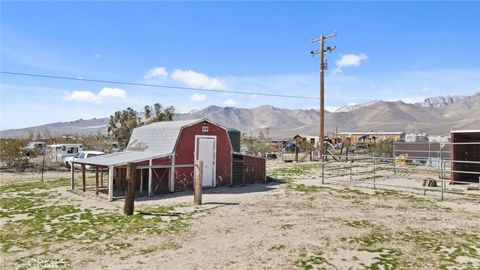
x: 352, y: 107
x: 440, y: 101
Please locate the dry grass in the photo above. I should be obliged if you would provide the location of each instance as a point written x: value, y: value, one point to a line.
x: 298, y: 224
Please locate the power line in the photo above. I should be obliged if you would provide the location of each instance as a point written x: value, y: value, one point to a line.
x: 152, y: 85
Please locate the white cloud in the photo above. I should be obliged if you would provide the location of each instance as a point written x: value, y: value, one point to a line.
x: 98, y: 55
x: 104, y: 95
x: 229, y: 102
x: 108, y: 92
x: 351, y: 60
x: 198, y: 80
x: 81, y: 96
x: 157, y: 72
x: 198, y: 97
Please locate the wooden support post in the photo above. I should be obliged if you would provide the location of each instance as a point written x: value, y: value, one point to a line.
x: 96, y: 180
x: 130, y: 190
x: 150, y: 172
x: 84, y: 183
x: 141, y: 181
x: 323, y: 171
x: 171, y: 177
x: 110, y: 183
x: 296, y: 153
x: 198, y: 171
x: 72, y: 180
x: 101, y: 178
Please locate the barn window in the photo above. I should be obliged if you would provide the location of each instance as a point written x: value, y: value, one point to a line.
x: 204, y: 128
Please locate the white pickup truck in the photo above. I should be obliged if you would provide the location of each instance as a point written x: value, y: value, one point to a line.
x: 81, y: 155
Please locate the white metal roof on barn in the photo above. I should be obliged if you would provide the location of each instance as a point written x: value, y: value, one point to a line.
x: 159, y: 137
x: 147, y: 142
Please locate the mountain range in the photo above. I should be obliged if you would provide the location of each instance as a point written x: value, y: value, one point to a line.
x: 436, y: 116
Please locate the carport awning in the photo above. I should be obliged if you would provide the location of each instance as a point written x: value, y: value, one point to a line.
x: 120, y: 158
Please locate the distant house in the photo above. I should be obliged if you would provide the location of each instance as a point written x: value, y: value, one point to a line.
x: 416, y: 137
x: 371, y: 136
x: 306, y: 138
x: 165, y: 152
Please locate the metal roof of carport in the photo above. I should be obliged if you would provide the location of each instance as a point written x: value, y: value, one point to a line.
x: 119, y: 158
x: 150, y: 141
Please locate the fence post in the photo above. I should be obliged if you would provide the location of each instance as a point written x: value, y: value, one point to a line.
x: 323, y: 171
x: 374, y: 174
x: 72, y: 172
x: 440, y: 165
x: 350, y: 171
x: 198, y: 171
x: 83, y: 178
x: 130, y: 190
x: 394, y: 166
x: 442, y: 187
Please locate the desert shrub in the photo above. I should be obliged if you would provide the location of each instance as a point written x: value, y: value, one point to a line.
x: 11, y: 155
x: 381, y: 148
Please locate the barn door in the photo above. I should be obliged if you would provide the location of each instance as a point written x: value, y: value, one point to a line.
x: 205, y: 151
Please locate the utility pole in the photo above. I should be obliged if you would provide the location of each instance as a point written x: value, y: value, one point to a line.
x: 323, y: 67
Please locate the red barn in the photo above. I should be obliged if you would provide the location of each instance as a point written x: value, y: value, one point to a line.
x: 165, y: 152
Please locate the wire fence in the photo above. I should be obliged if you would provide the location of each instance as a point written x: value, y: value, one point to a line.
x: 418, y: 166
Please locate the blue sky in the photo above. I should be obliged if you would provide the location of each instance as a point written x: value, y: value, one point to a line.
x: 391, y: 51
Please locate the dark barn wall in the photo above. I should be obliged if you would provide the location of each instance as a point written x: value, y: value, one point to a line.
x: 184, y: 154
x: 465, y: 152
x: 254, y: 170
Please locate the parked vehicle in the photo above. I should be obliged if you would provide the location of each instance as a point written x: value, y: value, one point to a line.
x: 58, y: 152
x: 81, y: 155
x: 34, y: 148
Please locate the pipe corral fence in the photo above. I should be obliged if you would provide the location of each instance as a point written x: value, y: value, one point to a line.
x: 439, y: 167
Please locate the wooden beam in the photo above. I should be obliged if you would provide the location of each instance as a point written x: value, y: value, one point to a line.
x: 130, y: 190
x: 72, y: 180
x: 141, y: 181
x: 171, y: 178
x: 150, y: 172
x: 96, y: 180
x: 198, y: 172
x: 84, y: 180
x: 110, y: 183
x: 101, y: 178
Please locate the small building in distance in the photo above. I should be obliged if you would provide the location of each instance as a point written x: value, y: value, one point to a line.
x: 356, y: 137
x: 306, y: 138
x: 416, y: 137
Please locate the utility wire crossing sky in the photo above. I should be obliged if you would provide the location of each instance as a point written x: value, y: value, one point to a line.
x: 249, y: 54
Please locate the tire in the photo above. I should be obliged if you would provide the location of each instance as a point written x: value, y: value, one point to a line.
x: 67, y: 164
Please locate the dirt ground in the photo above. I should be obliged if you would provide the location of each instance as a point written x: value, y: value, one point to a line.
x: 297, y: 223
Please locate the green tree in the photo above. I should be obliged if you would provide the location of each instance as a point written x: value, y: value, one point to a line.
x: 158, y: 114
x: 121, y: 123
